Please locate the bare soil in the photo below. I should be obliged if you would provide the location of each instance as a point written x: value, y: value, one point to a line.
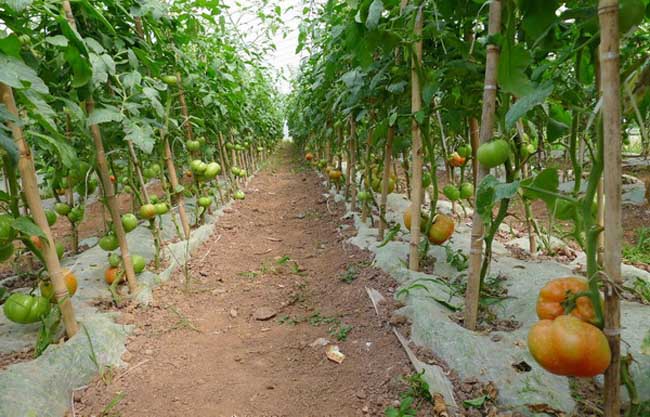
x: 276, y: 276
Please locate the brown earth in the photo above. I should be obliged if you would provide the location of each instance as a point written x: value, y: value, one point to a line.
x: 214, y: 351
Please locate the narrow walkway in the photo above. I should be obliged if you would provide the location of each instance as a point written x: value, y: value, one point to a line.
x: 269, y: 284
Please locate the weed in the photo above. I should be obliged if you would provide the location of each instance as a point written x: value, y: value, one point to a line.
x: 351, y: 274
x: 415, y: 395
x: 639, y: 253
x: 316, y: 320
x: 291, y: 321
x: 340, y: 332
x: 457, y: 258
x: 106, y: 412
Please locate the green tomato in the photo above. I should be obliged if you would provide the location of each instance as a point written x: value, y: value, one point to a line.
x: 426, y: 180
x: 465, y: 151
x: 161, y: 208
x: 170, y: 80
x: 7, y: 232
x: 24, y: 309
x: 451, y: 192
x: 212, y: 170
x: 109, y: 243
x: 148, y: 211
x: 129, y: 222
x: 127, y: 189
x: 62, y: 209
x: 193, y: 145
x: 51, y: 217
x: 230, y: 146
x: 76, y: 214
x: 364, y: 196
x: 156, y: 169
x: 114, y: 260
x: 148, y: 173
x: 205, y: 202
x: 466, y: 190
x: 139, y: 263
x: 59, y: 250
x: 6, y: 251
x: 260, y: 149
x: 202, y: 141
x: 493, y: 154
x: 239, y: 195
x: 198, y: 167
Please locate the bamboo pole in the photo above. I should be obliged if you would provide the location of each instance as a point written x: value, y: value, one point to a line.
x: 368, y: 181
x: 186, y: 115
x: 173, y: 182
x: 388, y: 151
x: 353, y: 159
x: 610, y: 90
x: 417, y: 149
x: 472, y: 293
x: 111, y: 201
x: 33, y: 198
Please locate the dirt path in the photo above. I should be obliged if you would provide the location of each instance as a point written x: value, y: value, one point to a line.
x: 279, y: 252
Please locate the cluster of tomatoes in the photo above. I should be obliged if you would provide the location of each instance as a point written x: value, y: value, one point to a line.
x: 568, y: 344
x: 442, y: 227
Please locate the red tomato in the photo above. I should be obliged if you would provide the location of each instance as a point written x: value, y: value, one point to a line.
x: 569, y: 346
x: 555, y: 293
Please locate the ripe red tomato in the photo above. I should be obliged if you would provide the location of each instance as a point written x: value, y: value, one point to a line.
x: 309, y: 156
x: 47, y: 289
x: 555, y: 293
x: 112, y: 178
x: 569, y: 346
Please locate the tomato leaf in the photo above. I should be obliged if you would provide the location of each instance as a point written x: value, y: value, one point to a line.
x: 527, y: 103
x: 26, y: 226
x: 104, y: 115
x: 18, y: 75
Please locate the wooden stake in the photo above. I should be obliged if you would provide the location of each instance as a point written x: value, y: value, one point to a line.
x: 418, y: 155
x: 353, y: 161
x: 179, y: 199
x: 472, y: 293
x: 186, y: 115
x: 388, y: 153
x: 111, y: 201
x: 33, y: 198
x: 610, y: 90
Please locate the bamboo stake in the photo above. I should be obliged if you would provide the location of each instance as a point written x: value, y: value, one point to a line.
x: 472, y: 294
x: 173, y: 182
x: 186, y: 115
x: 33, y: 198
x: 384, y: 182
x: 366, y: 207
x: 111, y: 201
x: 353, y: 159
x: 223, y: 156
x: 610, y: 90
x: 417, y: 149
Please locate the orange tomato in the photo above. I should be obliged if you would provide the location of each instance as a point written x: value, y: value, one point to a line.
x: 112, y: 178
x: 456, y: 160
x: 555, y: 293
x: 441, y: 230
x: 406, y: 217
x: 47, y: 289
x: 111, y: 274
x: 569, y: 346
x: 37, y: 242
x: 309, y: 156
